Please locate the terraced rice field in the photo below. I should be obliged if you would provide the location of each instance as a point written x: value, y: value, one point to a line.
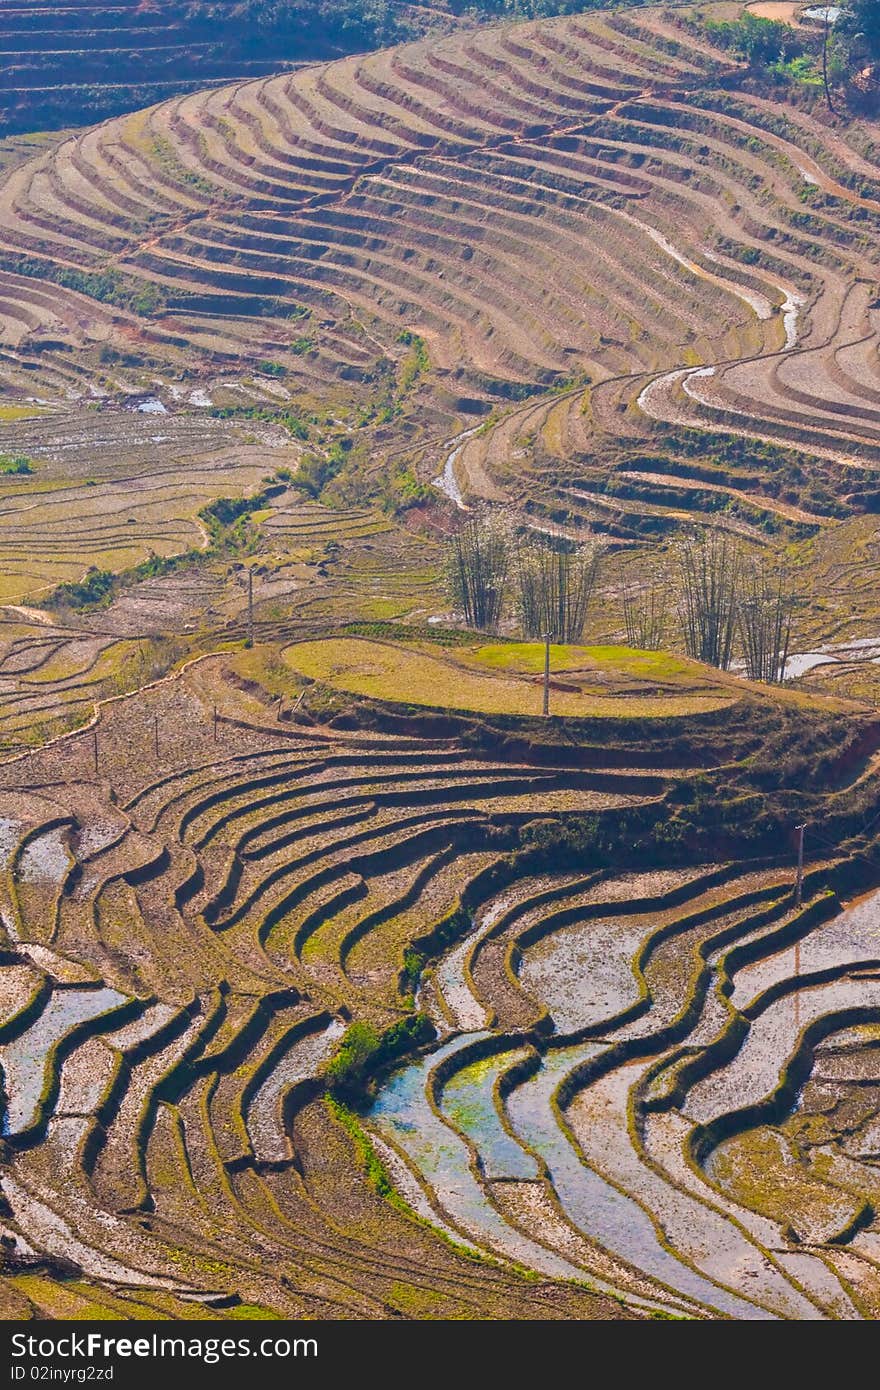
x: 391, y: 672
x: 297, y: 865
x: 619, y: 1056
x: 81, y: 62
x: 612, y: 1063
x: 576, y: 206
x: 344, y: 191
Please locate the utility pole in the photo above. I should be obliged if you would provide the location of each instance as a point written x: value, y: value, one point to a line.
x: 95, y: 748
x: 799, y: 888
x: 156, y: 733
x: 798, y: 899
x: 215, y: 723
x: 825, y: 60
x: 250, y: 608
x: 547, y: 672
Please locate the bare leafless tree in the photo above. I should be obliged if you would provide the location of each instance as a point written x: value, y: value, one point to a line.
x: 708, y: 582
x: 646, y: 615
x: 477, y: 568
x: 555, y: 580
x: 764, y: 617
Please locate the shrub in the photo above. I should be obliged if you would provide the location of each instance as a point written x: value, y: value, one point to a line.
x: 288, y: 419
x: 16, y: 463
x: 94, y: 591
x: 760, y: 41
x: 363, y: 1053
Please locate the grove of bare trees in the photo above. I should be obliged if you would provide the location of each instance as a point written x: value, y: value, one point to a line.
x: 719, y: 602
x: 548, y: 581
x: 554, y: 585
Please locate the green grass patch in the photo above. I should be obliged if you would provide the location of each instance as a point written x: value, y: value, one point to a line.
x: 253, y: 1311
x: 371, y: 1165
x: 411, y: 675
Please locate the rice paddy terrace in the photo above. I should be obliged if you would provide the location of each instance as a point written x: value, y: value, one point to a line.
x: 587, y: 214
x: 206, y: 895
x: 334, y: 981
x: 75, y: 63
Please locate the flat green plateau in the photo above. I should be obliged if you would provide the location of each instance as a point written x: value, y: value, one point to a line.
x: 601, y: 682
x: 505, y: 679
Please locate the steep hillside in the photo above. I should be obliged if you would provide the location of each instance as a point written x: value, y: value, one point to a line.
x: 83, y: 60
x: 576, y: 206
x: 78, y: 62
x: 335, y: 978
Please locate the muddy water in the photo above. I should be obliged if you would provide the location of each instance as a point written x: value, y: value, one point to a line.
x: 754, y: 1072
x: 9, y: 833
x: 852, y: 936
x: 702, y: 1238
x: 85, y: 1076
x: 663, y: 1140
x: 46, y: 859
x: 759, y: 303
x: 51, y: 1233
x: 96, y: 836
x: 584, y: 973
x: 446, y: 481
x: 452, y: 982
x: 860, y: 649
x: 458, y: 996
x: 141, y: 1028
x: 412, y: 1192
x: 24, y: 1061
x: 403, y: 1115
x: 468, y: 1102
x: 651, y: 395
x: 591, y: 1203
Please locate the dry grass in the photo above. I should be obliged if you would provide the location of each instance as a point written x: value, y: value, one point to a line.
x: 414, y: 676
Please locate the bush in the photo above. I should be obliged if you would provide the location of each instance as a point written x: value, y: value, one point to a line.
x: 16, y: 463
x: 107, y: 286
x: 288, y: 419
x: 363, y: 1053
x: 761, y: 42
x: 95, y: 591
x: 315, y: 473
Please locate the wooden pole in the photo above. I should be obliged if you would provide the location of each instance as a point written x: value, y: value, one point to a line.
x: 215, y: 723
x: 250, y: 607
x: 156, y: 733
x: 825, y: 61
x: 95, y: 748
x: 546, y: 673
x: 798, y: 898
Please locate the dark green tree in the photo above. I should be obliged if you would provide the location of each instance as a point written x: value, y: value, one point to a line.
x: 857, y: 29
